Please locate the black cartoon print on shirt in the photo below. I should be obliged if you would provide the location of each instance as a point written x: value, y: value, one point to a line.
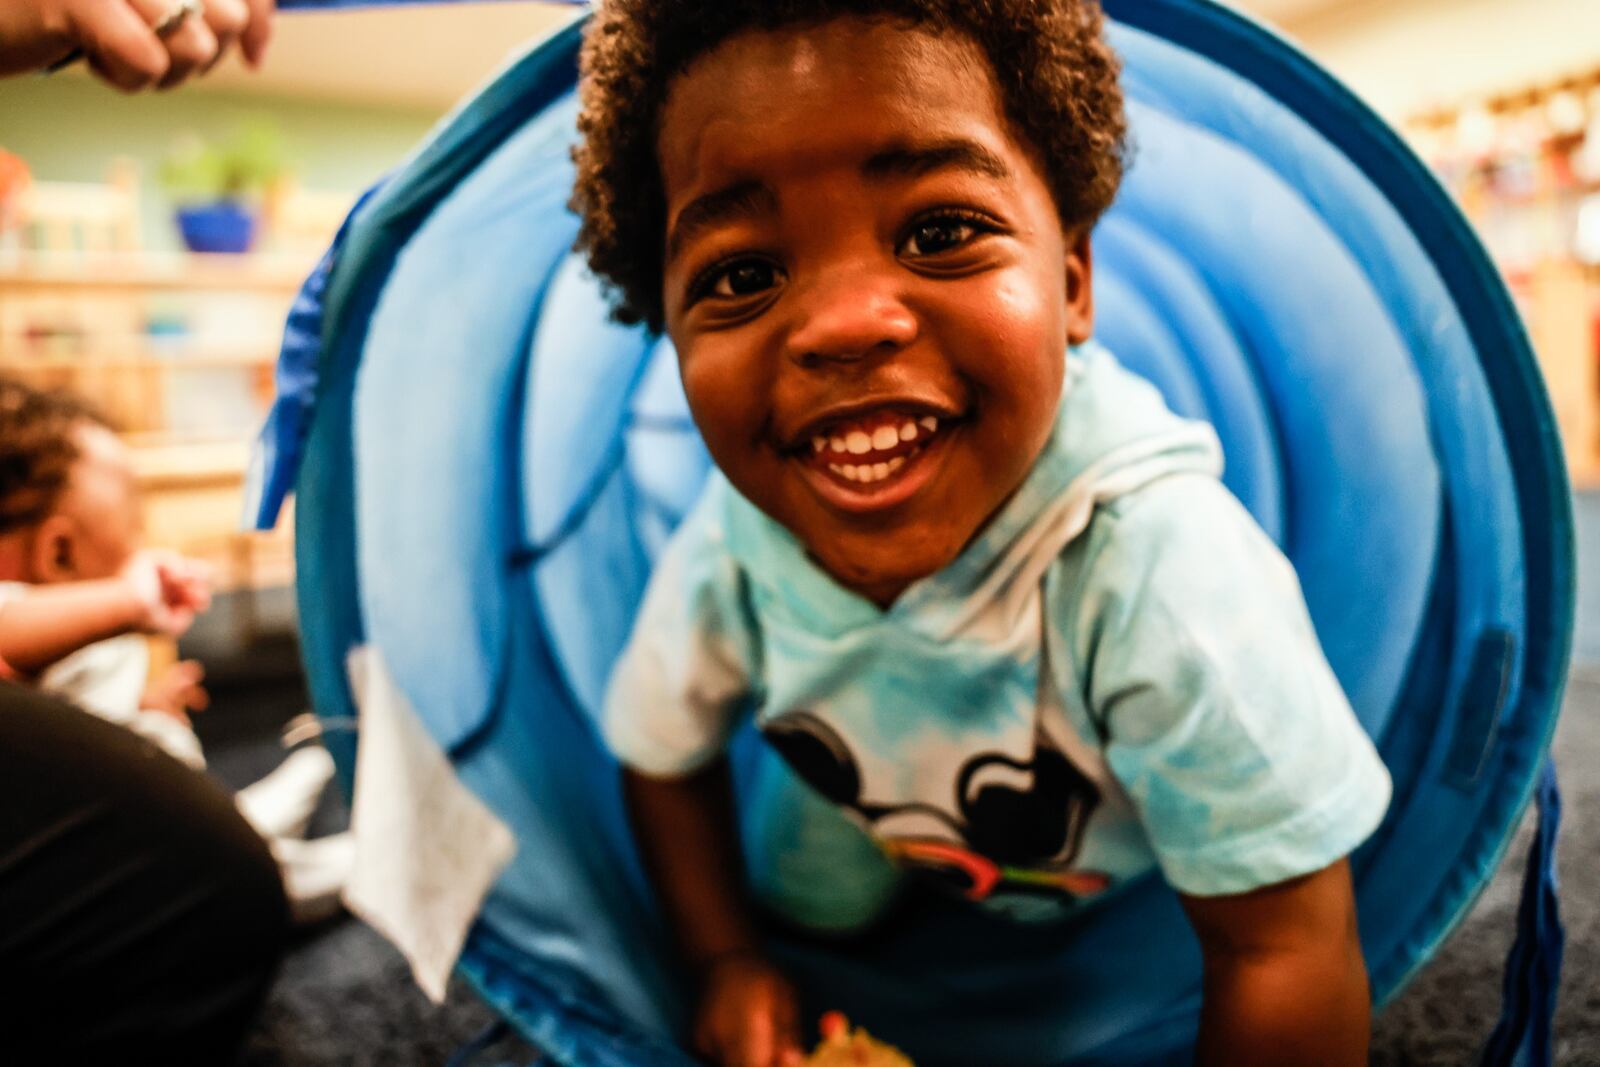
x: 1016, y: 826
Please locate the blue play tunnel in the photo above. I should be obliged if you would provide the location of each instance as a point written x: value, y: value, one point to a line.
x: 485, y: 467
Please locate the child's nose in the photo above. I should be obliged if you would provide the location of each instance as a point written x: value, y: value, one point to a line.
x: 848, y: 315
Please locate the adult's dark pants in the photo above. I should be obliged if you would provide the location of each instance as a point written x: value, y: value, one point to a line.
x: 141, y: 919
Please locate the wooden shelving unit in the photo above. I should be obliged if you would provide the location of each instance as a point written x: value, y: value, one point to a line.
x: 178, y: 350
x: 144, y: 272
x: 1525, y: 168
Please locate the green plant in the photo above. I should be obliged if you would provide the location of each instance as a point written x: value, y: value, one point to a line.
x: 243, y: 165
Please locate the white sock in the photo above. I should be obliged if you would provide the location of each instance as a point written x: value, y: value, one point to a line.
x: 281, y: 804
x: 313, y: 873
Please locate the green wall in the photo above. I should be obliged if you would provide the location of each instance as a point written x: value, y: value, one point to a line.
x: 69, y: 129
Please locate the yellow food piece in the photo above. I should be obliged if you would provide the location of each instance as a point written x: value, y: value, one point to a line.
x: 856, y: 1048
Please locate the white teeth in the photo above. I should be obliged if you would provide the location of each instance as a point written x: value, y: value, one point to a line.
x: 836, y: 443
x: 867, y: 473
x: 885, y: 437
x: 818, y: 444
x: 929, y: 423
x: 908, y: 431
x: 858, y: 443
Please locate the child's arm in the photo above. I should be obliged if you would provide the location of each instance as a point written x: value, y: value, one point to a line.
x: 155, y: 593
x: 1251, y: 774
x: 1285, y: 983
x: 49, y: 623
x: 748, y: 1014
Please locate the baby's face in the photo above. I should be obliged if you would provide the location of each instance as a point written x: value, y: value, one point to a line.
x: 868, y: 287
x: 98, y: 509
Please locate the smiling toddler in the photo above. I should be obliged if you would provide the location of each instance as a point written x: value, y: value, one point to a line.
x: 985, y: 595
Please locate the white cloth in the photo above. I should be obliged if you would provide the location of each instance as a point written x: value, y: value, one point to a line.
x: 427, y: 850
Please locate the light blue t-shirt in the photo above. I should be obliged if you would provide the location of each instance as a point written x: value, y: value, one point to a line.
x: 1119, y: 671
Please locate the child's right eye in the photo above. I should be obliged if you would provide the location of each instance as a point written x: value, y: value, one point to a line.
x: 744, y: 277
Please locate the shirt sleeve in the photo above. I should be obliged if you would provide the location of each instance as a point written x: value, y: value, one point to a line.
x: 684, y: 680
x: 1219, y: 712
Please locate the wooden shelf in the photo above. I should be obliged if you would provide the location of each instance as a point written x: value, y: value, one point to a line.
x: 161, y: 462
x: 78, y: 321
x: 146, y: 272
x: 134, y: 354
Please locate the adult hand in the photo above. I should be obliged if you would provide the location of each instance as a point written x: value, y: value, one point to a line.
x: 120, y: 41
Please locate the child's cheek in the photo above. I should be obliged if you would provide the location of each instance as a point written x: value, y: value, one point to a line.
x: 726, y: 398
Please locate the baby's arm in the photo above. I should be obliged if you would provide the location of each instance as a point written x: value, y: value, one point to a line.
x: 155, y: 593
x: 1285, y: 982
x: 49, y: 623
x: 685, y: 828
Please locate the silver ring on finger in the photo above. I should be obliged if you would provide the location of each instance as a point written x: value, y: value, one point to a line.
x: 174, y: 19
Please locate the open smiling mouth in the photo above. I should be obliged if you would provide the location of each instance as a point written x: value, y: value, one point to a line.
x: 876, y: 459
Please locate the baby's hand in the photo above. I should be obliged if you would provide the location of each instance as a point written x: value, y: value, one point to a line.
x: 748, y: 1015
x: 169, y: 590
x: 178, y: 691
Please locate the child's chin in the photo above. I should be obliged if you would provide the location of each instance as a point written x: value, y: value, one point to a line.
x: 881, y: 566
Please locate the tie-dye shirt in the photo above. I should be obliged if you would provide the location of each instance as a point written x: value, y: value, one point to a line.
x: 1118, y: 672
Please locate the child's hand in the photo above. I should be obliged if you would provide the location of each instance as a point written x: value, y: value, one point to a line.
x: 177, y: 691
x: 169, y: 590
x: 748, y: 1015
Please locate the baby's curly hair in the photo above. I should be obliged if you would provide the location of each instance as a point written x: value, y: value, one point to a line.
x: 37, y: 450
x: 1056, y: 74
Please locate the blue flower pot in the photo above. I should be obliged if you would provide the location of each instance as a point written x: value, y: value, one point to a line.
x: 224, y: 226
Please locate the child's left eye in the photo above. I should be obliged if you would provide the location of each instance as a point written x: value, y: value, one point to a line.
x: 940, y: 234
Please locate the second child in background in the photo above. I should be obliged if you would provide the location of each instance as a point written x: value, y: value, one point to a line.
x: 78, y: 595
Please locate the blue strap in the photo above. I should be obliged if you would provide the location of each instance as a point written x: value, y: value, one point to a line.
x: 1522, y: 1037
x: 282, y: 439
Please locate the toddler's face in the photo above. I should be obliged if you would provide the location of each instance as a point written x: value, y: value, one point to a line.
x: 868, y: 287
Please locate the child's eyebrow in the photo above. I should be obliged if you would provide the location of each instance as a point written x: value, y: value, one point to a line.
x: 897, y: 161
x: 703, y: 212
x: 915, y: 160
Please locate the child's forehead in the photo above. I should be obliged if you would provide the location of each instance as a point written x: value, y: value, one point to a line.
x: 843, y: 56
x: 839, y: 82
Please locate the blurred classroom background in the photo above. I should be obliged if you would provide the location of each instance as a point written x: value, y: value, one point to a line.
x: 102, y: 198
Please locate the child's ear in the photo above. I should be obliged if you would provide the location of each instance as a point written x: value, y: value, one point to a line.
x: 1080, y: 288
x: 55, y: 550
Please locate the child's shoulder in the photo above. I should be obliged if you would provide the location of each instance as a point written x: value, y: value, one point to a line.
x: 1157, y: 477
x: 1178, y: 556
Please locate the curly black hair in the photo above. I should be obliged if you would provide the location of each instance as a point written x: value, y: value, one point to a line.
x: 37, y: 450
x: 1056, y: 74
